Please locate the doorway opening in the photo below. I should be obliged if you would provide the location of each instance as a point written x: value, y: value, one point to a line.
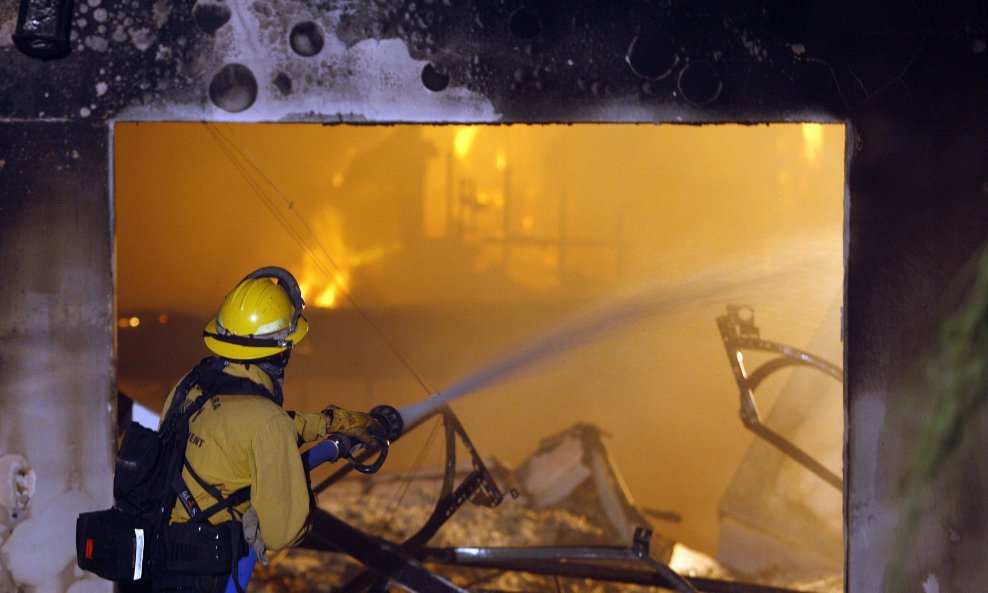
x: 427, y: 254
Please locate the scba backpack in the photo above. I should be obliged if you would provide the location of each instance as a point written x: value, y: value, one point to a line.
x: 119, y: 543
x: 133, y: 541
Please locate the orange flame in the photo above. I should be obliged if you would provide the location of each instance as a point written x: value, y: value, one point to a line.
x: 320, y: 291
x: 326, y: 272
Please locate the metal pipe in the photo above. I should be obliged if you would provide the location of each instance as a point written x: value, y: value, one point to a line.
x: 572, y: 568
x: 43, y: 28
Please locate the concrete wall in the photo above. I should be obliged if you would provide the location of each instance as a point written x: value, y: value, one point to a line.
x: 918, y: 210
x: 911, y: 79
x: 56, y: 342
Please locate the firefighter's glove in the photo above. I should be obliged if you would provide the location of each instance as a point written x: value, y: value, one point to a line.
x: 357, y: 425
x: 252, y: 533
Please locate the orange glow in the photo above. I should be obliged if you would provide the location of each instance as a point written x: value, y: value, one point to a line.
x: 812, y: 140
x: 422, y: 228
x: 326, y: 298
x: 463, y: 140
x: 317, y: 290
x: 501, y: 161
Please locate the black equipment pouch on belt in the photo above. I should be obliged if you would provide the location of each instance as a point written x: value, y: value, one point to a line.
x: 133, y: 540
x: 122, y: 547
x: 114, y: 544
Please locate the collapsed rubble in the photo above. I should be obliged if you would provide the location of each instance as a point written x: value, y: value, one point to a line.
x: 567, y: 493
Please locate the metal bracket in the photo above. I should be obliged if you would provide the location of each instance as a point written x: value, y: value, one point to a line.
x: 738, y: 331
x: 640, y: 541
x: 478, y: 487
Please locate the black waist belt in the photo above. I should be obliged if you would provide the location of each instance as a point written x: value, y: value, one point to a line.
x: 199, y: 547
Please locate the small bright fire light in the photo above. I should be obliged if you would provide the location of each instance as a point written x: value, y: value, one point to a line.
x: 812, y: 140
x: 326, y: 298
x: 501, y: 161
x: 463, y: 140
x: 319, y: 292
x: 134, y: 321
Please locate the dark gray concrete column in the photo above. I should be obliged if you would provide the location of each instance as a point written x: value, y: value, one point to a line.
x: 918, y: 212
x: 56, y: 337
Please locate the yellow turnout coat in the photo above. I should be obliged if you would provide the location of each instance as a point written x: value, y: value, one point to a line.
x: 240, y: 440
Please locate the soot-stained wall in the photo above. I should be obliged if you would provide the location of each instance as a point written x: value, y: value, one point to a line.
x: 56, y: 344
x: 910, y: 79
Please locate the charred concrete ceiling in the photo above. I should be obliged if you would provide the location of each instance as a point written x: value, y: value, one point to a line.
x: 497, y: 60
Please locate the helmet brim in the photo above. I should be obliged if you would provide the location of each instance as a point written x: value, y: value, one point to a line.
x: 243, y: 352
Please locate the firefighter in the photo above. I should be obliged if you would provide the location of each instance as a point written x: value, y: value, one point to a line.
x: 243, y: 437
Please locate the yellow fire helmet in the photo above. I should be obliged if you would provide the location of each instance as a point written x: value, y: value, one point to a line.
x: 258, y: 318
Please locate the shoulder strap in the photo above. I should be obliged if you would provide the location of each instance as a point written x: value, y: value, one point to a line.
x: 223, y: 502
x: 175, y: 409
x: 211, y: 379
x: 174, y: 435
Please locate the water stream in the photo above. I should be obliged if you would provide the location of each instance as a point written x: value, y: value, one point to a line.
x: 658, y: 298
